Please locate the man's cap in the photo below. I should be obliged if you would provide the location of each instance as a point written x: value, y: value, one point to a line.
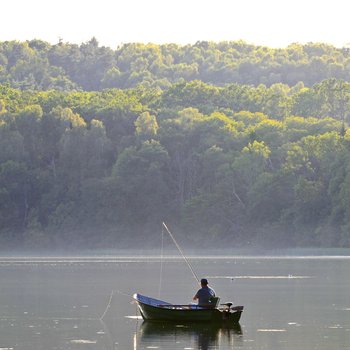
x: 204, y: 281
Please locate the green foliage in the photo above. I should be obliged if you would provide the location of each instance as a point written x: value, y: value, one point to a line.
x: 146, y: 126
x: 38, y: 65
x: 221, y: 139
x: 141, y: 179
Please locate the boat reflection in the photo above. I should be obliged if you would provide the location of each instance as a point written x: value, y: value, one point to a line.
x: 192, y: 335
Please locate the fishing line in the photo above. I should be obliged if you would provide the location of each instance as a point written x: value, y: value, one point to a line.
x: 108, y: 305
x: 161, y: 265
x: 181, y: 252
x: 125, y: 294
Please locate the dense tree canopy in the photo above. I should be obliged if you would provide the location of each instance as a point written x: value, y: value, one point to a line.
x: 36, y: 64
x: 228, y: 142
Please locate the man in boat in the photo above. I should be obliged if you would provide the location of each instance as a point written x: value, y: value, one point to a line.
x: 204, y: 294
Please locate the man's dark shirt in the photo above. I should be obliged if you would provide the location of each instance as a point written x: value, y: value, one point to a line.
x: 204, y: 294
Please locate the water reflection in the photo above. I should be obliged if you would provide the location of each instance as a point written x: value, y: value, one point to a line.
x: 188, y: 336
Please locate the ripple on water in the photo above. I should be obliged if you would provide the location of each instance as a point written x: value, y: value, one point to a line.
x: 83, y: 341
x: 261, y: 277
x: 134, y: 317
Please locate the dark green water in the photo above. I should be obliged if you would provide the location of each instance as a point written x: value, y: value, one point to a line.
x: 290, y: 303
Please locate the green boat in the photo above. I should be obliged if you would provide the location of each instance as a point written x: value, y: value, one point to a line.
x: 157, y: 310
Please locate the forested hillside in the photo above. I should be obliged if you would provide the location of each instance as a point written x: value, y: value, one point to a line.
x: 231, y: 144
x: 39, y: 65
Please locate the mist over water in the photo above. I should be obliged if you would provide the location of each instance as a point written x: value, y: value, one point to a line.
x: 291, y: 302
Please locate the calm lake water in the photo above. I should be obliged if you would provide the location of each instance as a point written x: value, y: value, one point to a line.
x: 56, y: 303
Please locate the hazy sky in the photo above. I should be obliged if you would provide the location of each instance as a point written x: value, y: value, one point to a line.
x: 275, y: 23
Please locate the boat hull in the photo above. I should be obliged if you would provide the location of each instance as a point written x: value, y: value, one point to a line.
x: 169, y: 313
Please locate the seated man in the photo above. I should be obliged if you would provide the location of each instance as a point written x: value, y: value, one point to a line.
x: 204, y: 294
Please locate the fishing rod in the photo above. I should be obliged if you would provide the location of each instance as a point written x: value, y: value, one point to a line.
x: 181, y: 252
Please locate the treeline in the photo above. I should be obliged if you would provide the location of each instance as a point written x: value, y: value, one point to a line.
x: 231, y: 166
x: 39, y: 65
